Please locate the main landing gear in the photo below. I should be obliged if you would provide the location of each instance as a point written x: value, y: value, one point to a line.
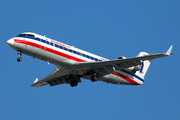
x: 19, y: 53
x: 74, y: 83
x: 73, y: 80
x: 94, y: 76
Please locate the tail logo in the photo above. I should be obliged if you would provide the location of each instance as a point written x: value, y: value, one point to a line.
x: 141, y: 67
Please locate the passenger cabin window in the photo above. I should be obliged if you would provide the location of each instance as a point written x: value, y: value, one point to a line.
x: 61, y: 47
x: 70, y: 50
x: 96, y: 59
x: 51, y: 43
x: 65, y: 49
x: 43, y: 41
x: 87, y: 56
x: 92, y: 58
x: 38, y: 39
x: 56, y: 45
x: 84, y: 55
x: 75, y: 52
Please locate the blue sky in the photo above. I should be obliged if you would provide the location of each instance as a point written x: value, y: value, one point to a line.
x: 109, y: 28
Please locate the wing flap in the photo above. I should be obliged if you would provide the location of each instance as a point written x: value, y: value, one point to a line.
x: 55, y: 76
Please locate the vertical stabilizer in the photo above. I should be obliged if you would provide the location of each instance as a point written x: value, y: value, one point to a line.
x: 143, y: 67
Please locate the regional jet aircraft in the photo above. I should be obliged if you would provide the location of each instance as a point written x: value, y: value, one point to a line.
x: 73, y: 63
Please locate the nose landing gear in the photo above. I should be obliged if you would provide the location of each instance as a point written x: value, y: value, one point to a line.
x: 19, y: 53
x: 19, y: 59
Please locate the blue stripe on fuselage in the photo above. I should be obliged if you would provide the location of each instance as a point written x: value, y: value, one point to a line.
x: 134, y: 75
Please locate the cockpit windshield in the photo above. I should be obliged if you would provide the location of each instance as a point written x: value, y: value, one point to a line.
x: 26, y: 35
x: 21, y: 35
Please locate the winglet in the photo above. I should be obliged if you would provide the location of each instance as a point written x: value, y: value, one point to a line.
x: 36, y: 80
x: 169, y: 50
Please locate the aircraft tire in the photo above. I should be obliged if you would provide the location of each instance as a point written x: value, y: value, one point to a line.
x: 92, y: 79
x: 19, y: 59
x: 73, y: 83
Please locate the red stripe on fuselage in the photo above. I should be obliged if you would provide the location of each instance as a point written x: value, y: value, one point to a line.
x: 48, y: 50
x: 126, y: 78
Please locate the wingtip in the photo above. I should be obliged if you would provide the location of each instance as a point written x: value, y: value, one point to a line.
x: 169, y: 50
x: 36, y: 80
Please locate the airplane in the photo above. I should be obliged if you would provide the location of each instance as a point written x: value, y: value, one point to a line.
x: 73, y: 63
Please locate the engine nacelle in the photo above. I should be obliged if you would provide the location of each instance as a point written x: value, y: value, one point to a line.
x: 130, y: 69
x: 133, y: 69
x: 121, y: 57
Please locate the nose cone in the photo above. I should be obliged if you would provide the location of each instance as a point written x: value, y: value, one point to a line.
x: 10, y: 42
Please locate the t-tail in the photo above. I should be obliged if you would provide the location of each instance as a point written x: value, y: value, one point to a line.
x: 146, y: 60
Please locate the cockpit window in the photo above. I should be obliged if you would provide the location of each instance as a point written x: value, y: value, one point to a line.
x: 21, y: 35
x: 28, y: 35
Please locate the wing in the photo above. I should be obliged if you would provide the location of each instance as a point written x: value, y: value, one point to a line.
x: 120, y: 64
x: 57, y: 76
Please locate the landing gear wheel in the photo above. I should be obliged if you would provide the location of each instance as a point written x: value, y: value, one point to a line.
x: 19, y: 59
x: 92, y: 79
x: 73, y: 83
x: 19, y: 53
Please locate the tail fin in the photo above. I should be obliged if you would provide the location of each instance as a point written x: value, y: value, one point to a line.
x: 144, y: 66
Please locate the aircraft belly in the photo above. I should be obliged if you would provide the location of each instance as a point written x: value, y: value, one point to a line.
x: 118, y: 80
x: 110, y: 79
